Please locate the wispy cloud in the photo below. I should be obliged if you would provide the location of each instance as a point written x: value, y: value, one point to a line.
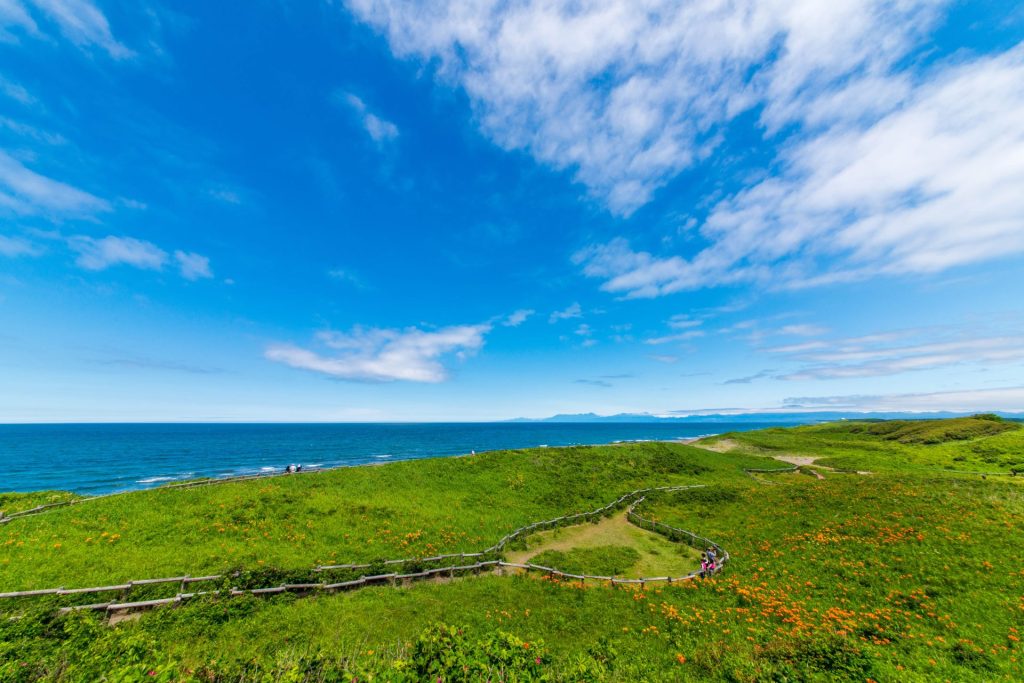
x: 682, y: 330
x: 193, y: 266
x: 1009, y: 399
x: 31, y: 133
x: 882, y: 355
x: 380, y: 130
x: 594, y: 382
x: 663, y: 358
x: 18, y: 246
x: 100, y: 254
x: 572, y: 311
x: 82, y: 23
x: 517, y: 318
x: 14, y: 15
x: 627, y: 97
x: 144, y: 363
x: 683, y: 321
x: 802, y: 330
x: 384, y: 355
x: 15, y: 91
x: 105, y: 252
x: 885, y: 193
x: 347, y: 276
x: 669, y: 338
x: 225, y: 194
x: 25, y: 192
x: 750, y: 378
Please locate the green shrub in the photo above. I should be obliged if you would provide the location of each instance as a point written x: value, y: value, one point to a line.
x: 446, y: 653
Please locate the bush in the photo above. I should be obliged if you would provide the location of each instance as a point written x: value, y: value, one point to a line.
x: 446, y: 653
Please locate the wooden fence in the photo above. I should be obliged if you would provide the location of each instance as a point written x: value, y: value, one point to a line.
x: 395, y: 578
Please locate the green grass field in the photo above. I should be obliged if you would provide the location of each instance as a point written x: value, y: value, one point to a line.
x: 911, y: 573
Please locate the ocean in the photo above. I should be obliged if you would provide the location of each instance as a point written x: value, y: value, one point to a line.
x: 103, y: 458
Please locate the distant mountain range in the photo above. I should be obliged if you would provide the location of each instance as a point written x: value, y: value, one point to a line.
x: 768, y: 418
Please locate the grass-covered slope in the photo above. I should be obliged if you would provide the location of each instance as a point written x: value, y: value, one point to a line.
x: 913, y: 573
x: 401, y: 510
x: 11, y: 503
x: 983, y: 443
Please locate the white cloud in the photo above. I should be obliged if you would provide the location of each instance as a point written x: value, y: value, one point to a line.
x: 31, y: 132
x: 380, y: 130
x: 193, y: 266
x: 348, y: 276
x: 384, y: 355
x: 25, y: 192
x: 572, y: 311
x: 684, y: 322
x: 14, y: 15
x: 15, y: 91
x: 883, y: 355
x: 83, y: 24
x: 224, y: 194
x: 682, y: 336
x: 1010, y: 399
x: 100, y: 254
x: 750, y: 378
x: 627, y: 93
x: 932, y: 183
x: 518, y: 317
x: 18, y: 246
x: 664, y: 358
x: 802, y: 330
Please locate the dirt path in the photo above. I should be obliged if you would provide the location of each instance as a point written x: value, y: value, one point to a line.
x: 798, y: 460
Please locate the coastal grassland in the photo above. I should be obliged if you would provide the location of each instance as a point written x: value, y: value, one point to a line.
x: 364, y: 514
x: 911, y: 575
x: 983, y: 443
x: 887, y: 577
x: 11, y: 503
x: 611, y: 546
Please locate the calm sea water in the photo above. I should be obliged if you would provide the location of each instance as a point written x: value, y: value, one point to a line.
x: 93, y: 459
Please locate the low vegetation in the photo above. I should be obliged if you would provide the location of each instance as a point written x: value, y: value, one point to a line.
x: 610, y: 546
x: 12, y: 503
x: 983, y: 443
x: 600, y: 560
x: 911, y: 573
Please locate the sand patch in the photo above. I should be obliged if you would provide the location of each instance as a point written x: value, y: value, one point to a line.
x: 798, y: 460
x: 720, y: 446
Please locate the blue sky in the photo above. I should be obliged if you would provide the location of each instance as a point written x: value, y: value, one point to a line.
x: 437, y: 211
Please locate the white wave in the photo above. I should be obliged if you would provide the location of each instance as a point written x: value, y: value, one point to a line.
x: 382, y: 456
x: 154, y: 480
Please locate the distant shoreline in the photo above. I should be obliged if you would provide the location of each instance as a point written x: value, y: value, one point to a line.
x: 101, y: 459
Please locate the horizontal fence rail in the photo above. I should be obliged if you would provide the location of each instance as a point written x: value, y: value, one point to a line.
x: 633, y: 498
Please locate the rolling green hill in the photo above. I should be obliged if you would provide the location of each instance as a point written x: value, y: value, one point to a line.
x: 910, y: 573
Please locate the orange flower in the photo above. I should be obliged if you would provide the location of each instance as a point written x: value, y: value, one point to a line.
x: 681, y: 659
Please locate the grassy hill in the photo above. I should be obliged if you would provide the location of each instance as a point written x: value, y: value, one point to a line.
x: 983, y: 443
x: 910, y: 573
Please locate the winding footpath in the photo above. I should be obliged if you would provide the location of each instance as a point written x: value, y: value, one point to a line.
x: 489, y: 559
